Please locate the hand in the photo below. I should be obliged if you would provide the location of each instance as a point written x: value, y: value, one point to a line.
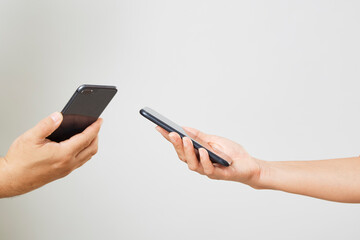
x: 33, y: 161
x: 243, y: 168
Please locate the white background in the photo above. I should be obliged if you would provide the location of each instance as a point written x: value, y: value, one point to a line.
x: 279, y: 77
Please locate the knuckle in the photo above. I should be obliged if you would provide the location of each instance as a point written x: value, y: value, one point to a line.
x: 68, y: 156
x: 84, y: 139
x: 210, y: 176
x: 87, y: 159
x: 65, y: 172
x: 83, y: 161
x: 62, y: 167
x: 87, y: 141
x: 95, y: 150
x: 209, y: 171
x: 65, y: 159
x: 178, y: 148
x: 192, y: 167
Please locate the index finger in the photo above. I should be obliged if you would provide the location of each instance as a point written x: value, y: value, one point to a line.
x: 163, y: 132
x: 82, y: 140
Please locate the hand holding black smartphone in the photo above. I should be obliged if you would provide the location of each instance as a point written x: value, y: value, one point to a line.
x: 170, y: 126
x: 83, y: 109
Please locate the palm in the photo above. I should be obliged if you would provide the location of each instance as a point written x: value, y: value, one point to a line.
x: 242, y: 164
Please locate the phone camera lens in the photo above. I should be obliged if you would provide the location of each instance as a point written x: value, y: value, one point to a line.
x: 87, y: 91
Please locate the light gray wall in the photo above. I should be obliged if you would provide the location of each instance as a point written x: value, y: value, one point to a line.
x: 280, y: 77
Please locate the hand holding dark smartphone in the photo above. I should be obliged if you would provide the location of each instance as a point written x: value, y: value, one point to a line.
x: 170, y: 126
x: 83, y: 109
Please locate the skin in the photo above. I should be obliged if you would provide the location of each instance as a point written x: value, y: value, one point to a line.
x: 33, y: 161
x: 334, y: 179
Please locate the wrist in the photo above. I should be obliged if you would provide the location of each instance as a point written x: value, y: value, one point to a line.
x: 262, y: 177
x: 270, y: 175
x: 6, y: 184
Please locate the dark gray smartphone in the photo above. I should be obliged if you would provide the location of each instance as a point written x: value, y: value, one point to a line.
x: 83, y: 109
x: 170, y: 126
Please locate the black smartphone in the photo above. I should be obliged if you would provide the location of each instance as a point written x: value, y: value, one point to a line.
x: 83, y: 109
x: 170, y: 126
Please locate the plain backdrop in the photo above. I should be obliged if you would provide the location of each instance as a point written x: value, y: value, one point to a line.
x: 279, y: 77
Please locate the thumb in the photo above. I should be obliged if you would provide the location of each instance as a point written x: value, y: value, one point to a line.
x: 46, y: 126
x: 220, y: 151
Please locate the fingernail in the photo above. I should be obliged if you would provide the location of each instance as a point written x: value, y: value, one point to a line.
x: 185, y: 141
x: 56, y: 117
x: 201, y: 153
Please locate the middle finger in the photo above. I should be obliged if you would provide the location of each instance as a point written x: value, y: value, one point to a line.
x: 190, y: 155
x: 175, y: 139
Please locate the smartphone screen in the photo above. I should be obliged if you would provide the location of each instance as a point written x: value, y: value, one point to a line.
x: 83, y: 109
x: 170, y: 126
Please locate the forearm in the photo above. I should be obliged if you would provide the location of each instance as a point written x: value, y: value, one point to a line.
x: 334, y: 180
